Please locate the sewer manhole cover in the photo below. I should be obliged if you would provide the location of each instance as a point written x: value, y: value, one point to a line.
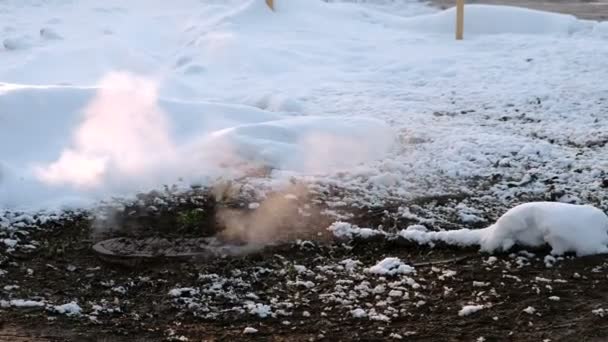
x: 129, y: 250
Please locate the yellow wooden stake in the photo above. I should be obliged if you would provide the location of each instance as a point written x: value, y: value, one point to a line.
x: 459, y: 19
x: 270, y: 4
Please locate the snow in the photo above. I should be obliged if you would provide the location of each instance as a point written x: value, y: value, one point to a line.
x: 10, y: 242
x: 349, y: 264
x: 470, y: 309
x: 259, y: 309
x: 549, y: 260
x: 366, y: 96
x: 565, y: 227
x: 300, y: 269
x: 491, y: 260
x: 306, y: 284
x: 344, y: 230
x: 143, y: 147
x: 358, y: 313
x: 529, y: 310
x: 21, y: 303
x: 490, y: 20
x: 395, y: 293
x: 480, y: 284
x: 378, y: 316
x: 581, y: 229
x: 390, y: 266
x: 183, y: 292
x: 249, y: 330
x: 69, y: 309
x: 599, y: 312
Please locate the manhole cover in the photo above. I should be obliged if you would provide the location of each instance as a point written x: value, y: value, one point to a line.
x: 129, y: 250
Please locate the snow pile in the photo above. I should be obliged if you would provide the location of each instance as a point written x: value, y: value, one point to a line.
x: 363, y: 96
x: 470, y: 309
x: 307, y: 144
x: 250, y: 330
x: 487, y: 19
x: 69, y: 309
x: 358, y: 313
x: 565, y: 227
x: 581, y: 229
x: 390, y: 266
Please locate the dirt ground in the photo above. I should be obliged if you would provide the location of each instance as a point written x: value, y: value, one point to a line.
x: 314, y: 286
x: 585, y: 9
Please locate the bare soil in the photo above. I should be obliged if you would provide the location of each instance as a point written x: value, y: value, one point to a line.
x: 64, y: 268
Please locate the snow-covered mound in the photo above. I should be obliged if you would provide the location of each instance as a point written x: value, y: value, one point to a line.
x: 73, y: 142
x: 581, y: 229
x: 391, y: 266
x: 490, y: 19
x: 309, y: 89
x: 308, y: 144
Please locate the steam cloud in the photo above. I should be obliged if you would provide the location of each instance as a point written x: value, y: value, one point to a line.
x: 124, y: 132
x: 124, y: 142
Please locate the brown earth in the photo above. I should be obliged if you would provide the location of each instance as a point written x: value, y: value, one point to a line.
x: 64, y: 268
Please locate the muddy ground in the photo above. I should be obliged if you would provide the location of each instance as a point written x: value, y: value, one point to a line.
x: 585, y: 9
x: 307, y: 287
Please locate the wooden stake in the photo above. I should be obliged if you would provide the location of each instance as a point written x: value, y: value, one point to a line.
x: 270, y: 4
x: 459, y: 19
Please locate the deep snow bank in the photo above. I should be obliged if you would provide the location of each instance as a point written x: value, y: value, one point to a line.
x: 581, y: 229
x: 307, y: 58
x: 490, y: 19
x: 308, y: 144
x: 82, y: 143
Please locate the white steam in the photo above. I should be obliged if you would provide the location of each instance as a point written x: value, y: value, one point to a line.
x: 126, y: 142
x: 124, y: 132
